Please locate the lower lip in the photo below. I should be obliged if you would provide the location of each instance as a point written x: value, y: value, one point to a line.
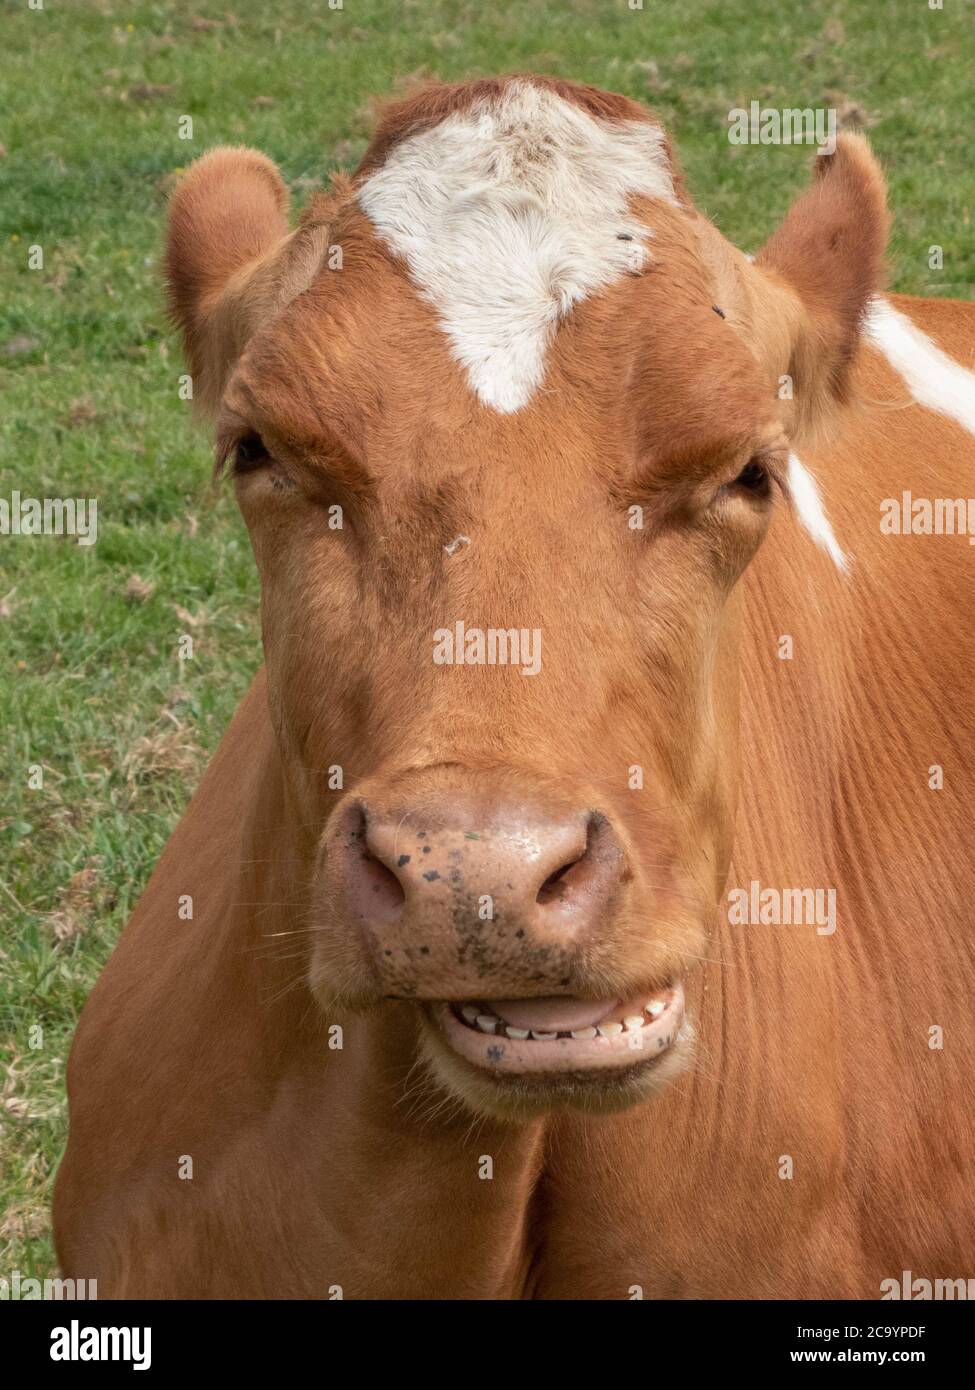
x: 511, y: 1056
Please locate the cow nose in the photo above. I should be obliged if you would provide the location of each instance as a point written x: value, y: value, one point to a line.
x: 461, y: 891
x: 540, y: 868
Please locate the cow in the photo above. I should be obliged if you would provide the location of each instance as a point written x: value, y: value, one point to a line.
x: 579, y: 903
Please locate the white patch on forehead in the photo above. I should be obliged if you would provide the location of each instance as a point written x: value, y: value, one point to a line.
x: 811, y: 512
x: 935, y: 379
x: 510, y: 213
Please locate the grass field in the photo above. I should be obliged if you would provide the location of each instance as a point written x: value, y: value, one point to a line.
x: 91, y: 94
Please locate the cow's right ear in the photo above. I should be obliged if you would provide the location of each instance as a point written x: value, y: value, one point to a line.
x: 227, y: 226
x: 823, y: 265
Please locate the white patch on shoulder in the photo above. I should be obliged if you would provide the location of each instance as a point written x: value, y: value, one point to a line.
x: 811, y: 512
x: 935, y: 379
x: 510, y: 213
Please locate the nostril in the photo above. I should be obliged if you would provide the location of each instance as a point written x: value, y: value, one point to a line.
x: 591, y: 875
x: 378, y: 887
x: 554, y: 885
x: 382, y: 884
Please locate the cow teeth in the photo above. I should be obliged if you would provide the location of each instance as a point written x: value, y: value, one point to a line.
x: 519, y: 1034
x: 581, y: 1033
x: 610, y: 1030
x: 635, y: 1021
x: 544, y: 1037
x: 486, y: 1022
x: 468, y: 1013
x: 654, y: 1007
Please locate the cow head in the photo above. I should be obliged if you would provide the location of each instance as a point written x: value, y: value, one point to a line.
x: 504, y: 420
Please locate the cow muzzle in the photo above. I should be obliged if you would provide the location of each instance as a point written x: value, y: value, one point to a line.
x: 495, y: 917
x: 455, y: 900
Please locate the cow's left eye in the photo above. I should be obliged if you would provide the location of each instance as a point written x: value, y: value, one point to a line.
x: 250, y: 453
x: 754, y: 478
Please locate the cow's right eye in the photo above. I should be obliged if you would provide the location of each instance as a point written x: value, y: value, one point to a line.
x: 250, y: 453
x: 754, y: 478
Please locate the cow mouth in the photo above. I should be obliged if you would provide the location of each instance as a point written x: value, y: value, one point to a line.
x: 562, y: 1034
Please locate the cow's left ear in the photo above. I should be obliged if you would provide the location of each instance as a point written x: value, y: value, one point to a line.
x: 231, y: 263
x: 828, y: 258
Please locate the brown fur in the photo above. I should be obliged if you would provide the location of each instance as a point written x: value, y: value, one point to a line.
x: 359, y: 1168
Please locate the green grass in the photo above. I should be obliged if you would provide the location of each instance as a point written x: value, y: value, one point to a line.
x: 91, y: 92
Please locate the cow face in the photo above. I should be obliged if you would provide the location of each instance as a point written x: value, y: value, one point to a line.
x: 503, y: 422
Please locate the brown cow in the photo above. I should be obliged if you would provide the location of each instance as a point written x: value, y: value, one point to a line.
x: 533, y: 792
